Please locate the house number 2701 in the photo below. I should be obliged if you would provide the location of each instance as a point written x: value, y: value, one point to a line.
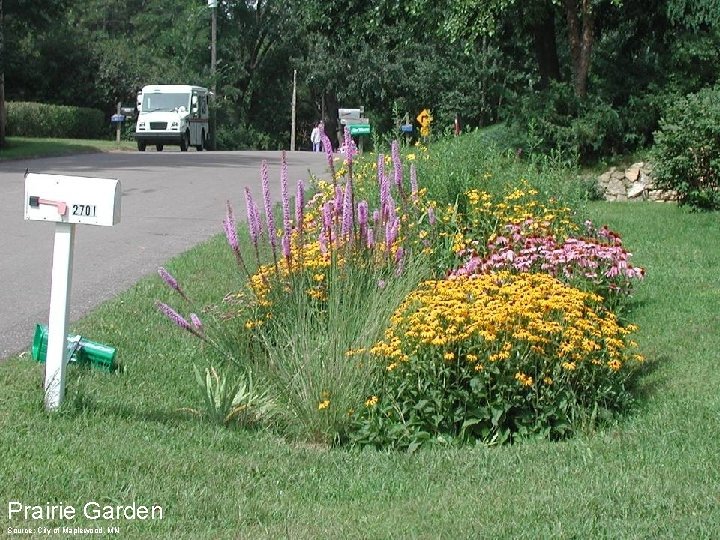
x: 83, y: 210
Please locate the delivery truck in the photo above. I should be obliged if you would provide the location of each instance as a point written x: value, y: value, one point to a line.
x: 172, y: 114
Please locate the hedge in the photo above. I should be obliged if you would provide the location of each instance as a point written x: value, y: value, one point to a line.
x: 26, y: 119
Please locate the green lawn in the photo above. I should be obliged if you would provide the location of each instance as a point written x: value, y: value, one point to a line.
x: 28, y: 147
x: 125, y: 437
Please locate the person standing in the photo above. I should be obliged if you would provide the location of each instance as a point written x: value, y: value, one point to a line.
x: 315, y: 138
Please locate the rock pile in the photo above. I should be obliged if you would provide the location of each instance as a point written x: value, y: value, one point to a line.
x: 632, y: 184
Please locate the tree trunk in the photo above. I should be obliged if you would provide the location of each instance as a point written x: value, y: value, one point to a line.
x: 543, y: 31
x: 580, y: 36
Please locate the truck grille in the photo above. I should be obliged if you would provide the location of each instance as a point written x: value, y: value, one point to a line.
x: 158, y: 125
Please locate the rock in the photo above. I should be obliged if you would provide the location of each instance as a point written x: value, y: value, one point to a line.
x: 636, y: 190
x: 633, y: 172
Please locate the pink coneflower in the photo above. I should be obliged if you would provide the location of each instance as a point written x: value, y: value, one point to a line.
x: 171, y: 282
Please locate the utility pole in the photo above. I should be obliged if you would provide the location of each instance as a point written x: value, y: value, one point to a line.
x: 212, y: 4
x: 294, y: 95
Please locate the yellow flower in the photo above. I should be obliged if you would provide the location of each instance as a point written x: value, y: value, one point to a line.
x: 372, y: 401
x: 324, y: 404
x: 525, y: 380
x: 449, y: 355
x: 615, y: 365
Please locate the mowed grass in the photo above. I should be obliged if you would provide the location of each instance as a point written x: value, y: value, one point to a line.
x: 127, y: 437
x: 30, y: 147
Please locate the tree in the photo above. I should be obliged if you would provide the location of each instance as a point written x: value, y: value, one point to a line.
x: 2, y: 79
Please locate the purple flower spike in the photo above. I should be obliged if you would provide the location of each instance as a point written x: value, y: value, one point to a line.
x: 431, y: 215
x: 197, y: 323
x: 397, y: 163
x: 362, y: 209
x: 299, y: 205
x: 230, y: 228
x: 347, y: 217
x: 370, y: 239
x: 399, y: 260
x: 171, y: 281
x: 285, y: 196
x: 380, y: 170
x: 270, y: 220
x: 286, y: 251
x: 231, y: 235
x: 327, y: 146
x: 253, y: 218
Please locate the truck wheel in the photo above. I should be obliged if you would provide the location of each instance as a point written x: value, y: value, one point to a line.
x: 141, y: 146
x: 159, y: 147
x: 184, y: 142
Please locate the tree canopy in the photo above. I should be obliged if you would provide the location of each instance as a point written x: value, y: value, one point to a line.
x: 483, y: 61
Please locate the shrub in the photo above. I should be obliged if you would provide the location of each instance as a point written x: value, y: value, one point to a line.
x: 687, y: 150
x: 493, y: 358
x: 25, y: 119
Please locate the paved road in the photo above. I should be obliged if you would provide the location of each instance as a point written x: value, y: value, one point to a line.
x: 171, y: 202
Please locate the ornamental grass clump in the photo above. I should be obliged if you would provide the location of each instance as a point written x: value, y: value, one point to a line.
x: 494, y: 358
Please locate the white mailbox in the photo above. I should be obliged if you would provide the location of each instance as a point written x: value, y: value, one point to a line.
x: 67, y: 201
x: 72, y: 199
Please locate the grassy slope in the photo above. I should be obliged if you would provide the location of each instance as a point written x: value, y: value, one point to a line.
x: 123, y: 437
x: 29, y: 147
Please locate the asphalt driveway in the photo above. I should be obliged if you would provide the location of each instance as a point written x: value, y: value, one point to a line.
x: 171, y: 201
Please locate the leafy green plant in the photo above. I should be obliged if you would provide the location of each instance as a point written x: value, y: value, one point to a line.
x: 687, y: 150
x: 241, y: 401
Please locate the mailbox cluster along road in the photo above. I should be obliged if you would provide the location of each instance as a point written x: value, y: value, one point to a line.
x: 171, y: 201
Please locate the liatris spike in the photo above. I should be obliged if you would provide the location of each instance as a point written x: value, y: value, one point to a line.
x: 399, y: 260
x: 285, y: 196
x: 286, y: 251
x: 253, y: 218
x: 384, y: 196
x: 397, y: 164
x: 177, y: 319
x: 362, y: 209
x: 391, y: 232
x: 380, y: 170
x: 231, y: 235
x: 299, y: 205
x: 171, y: 282
x: 370, y: 238
x: 413, y: 182
x: 270, y: 220
x: 347, y: 216
x: 196, y: 322
x: 327, y: 146
x: 431, y: 215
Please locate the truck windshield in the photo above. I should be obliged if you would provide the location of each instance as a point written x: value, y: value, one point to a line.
x: 165, y: 102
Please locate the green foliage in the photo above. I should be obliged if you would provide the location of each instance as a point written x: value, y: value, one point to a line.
x: 241, y: 401
x: 59, y: 121
x: 687, y: 150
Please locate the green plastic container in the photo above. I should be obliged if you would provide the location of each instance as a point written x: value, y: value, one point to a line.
x: 84, y: 351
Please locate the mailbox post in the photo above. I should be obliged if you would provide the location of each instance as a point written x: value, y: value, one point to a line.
x: 66, y: 201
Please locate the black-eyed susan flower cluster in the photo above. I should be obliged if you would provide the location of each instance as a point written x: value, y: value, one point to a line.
x: 510, y: 353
